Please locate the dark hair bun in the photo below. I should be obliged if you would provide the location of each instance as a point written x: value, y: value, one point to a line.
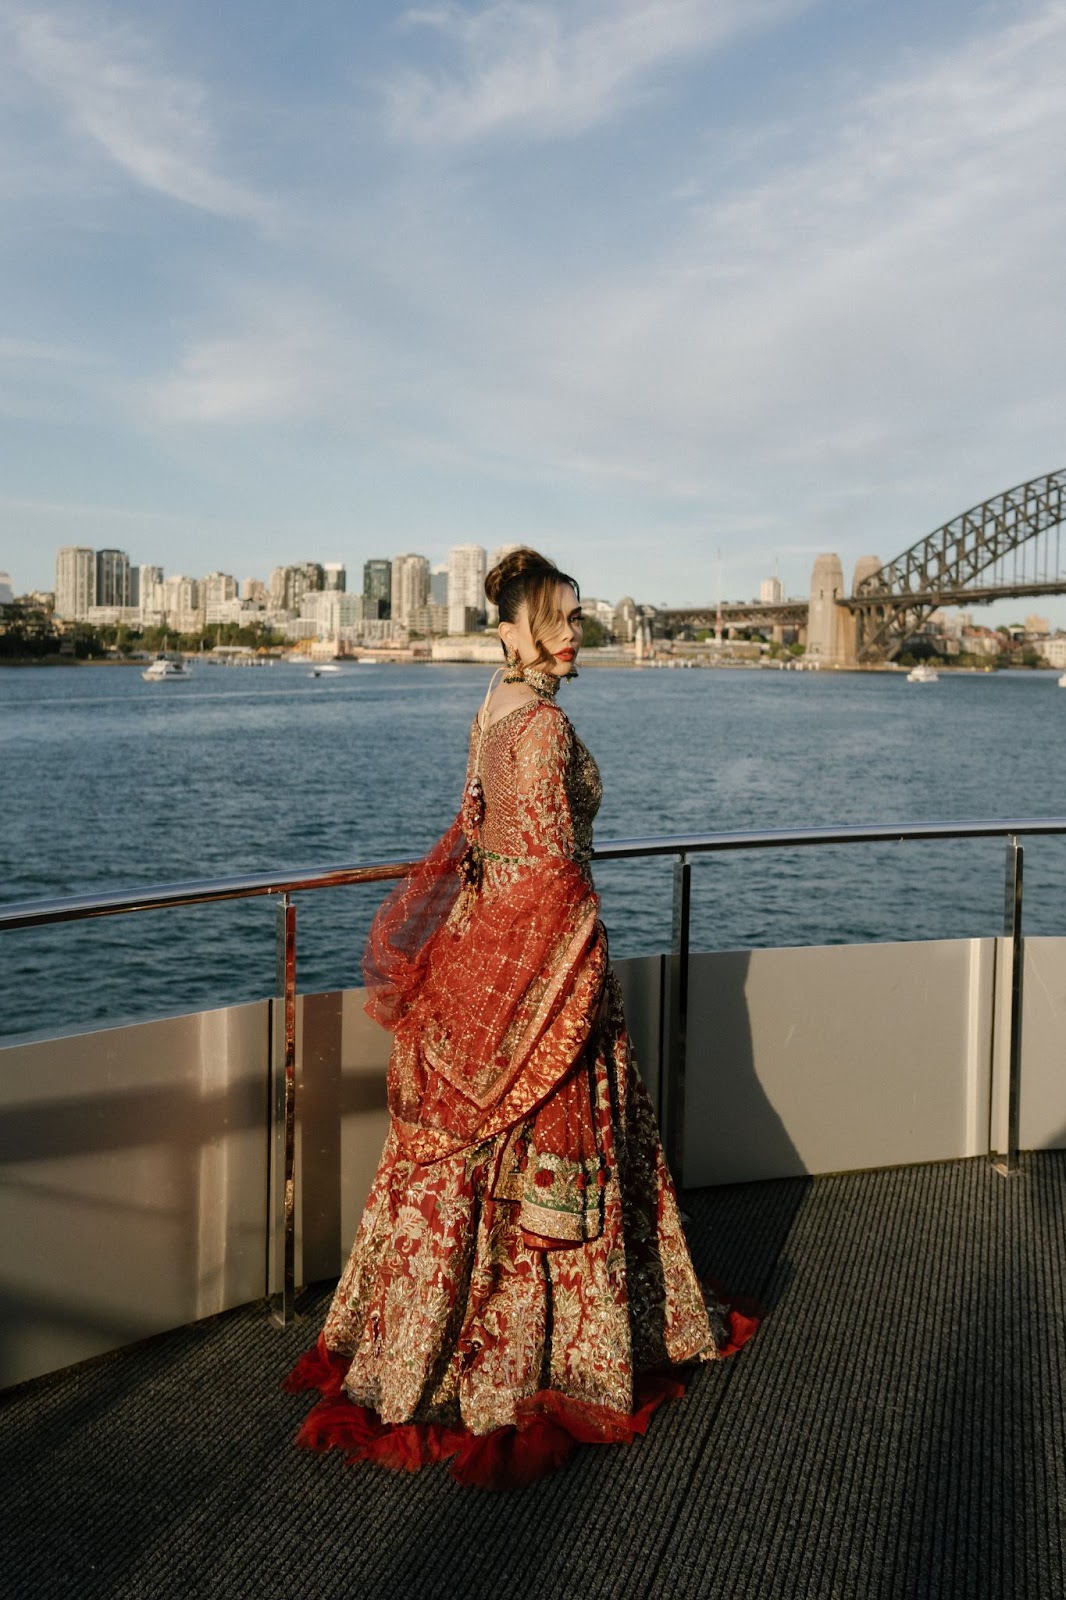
x: 521, y: 563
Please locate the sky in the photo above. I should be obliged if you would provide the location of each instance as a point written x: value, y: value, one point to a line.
x: 662, y: 287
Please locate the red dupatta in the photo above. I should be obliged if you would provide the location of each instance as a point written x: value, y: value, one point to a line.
x: 492, y: 993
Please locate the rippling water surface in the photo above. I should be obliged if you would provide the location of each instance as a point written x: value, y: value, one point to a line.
x: 107, y: 781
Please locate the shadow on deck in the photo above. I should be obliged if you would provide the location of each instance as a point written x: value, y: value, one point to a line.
x: 895, y: 1430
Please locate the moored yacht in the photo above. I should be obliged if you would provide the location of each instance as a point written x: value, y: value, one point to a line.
x: 923, y: 673
x: 166, y: 667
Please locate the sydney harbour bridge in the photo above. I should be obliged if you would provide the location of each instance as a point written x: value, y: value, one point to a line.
x: 1009, y: 545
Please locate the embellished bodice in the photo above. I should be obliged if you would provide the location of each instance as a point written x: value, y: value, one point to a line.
x: 542, y: 789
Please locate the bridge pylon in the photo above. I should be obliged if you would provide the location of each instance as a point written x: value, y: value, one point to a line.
x: 832, y: 631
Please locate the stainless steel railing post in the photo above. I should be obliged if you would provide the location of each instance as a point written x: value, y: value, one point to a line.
x: 677, y: 1039
x: 282, y: 1198
x: 1012, y: 928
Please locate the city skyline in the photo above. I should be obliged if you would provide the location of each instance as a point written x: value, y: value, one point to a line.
x: 403, y: 598
x: 630, y: 280
x: 454, y: 590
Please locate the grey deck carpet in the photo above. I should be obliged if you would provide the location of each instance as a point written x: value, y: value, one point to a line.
x: 896, y: 1429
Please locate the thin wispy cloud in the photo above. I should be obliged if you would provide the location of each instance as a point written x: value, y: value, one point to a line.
x: 554, y: 70
x: 828, y: 305
x: 154, y: 124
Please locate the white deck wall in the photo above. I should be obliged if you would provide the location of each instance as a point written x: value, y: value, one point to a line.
x: 134, y: 1159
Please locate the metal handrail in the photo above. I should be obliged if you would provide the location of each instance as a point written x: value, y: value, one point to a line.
x: 202, y: 891
x: 282, y: 1050
x: 196, y: 892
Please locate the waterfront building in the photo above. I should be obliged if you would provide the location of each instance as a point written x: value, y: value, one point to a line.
x: 431, y: 619
x: 276, y: 589
x: 225, y: 611
x: 7, y: 593
x: 150, y: 596
x: 288, y: 585
x: 217, y: 588
x: 39, y: 600
x: 75, y: 581
x: 479, y: 647
x: 624, y: 626
x: 335, y: 577
x: 601, y: 611
x: 982, y: 642
x: 771, y: 592
x: 109, y: 616
x: 374, y: 631
x: 323, y: 609
x: 948, y: 624
x: 410, y: 586
x: 438, y: 585
x: 182, y: 607
x: 377, y: 589
x: 253, y: 592
x: 463, y: 619
x: 1037, y: 627
x: 1054, y: 651
x: 112, y: 578
x: 301, y: 630
x: 466, y: 587
x: 329, y: 613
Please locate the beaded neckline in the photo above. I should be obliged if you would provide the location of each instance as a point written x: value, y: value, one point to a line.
x: 544, y: 684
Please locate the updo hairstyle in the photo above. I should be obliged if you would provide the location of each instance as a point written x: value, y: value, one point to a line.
x: 525, y: 577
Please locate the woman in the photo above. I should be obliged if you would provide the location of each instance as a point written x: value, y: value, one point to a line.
x: 520, y: 1280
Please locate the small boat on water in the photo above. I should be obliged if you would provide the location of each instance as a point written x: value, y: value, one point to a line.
x: 1062, y: 681
x: 324, y: 666
x: 923, y: 673
x: 166, y: 667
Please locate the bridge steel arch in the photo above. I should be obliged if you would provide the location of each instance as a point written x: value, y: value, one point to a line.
x: 895, y: 601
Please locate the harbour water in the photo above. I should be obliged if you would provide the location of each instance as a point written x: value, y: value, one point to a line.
x: 107, y: 781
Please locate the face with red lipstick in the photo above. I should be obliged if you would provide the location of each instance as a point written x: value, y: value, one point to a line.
x: 559, y: 639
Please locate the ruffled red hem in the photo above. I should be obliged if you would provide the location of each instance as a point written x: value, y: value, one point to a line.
x: 548, y: 1426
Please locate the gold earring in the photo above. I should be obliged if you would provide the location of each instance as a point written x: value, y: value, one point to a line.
x: 514, y: 665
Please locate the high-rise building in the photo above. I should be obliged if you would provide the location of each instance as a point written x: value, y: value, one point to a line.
x: 438, y: 586
x: 75, y: 581
x: 181, y: 601
x: 377, y: 589
x: 335, y: 577
x: 288, y: 585
x: 150, y: 599
x: 7, y: 593
x: 218, y: 598
x: 254, y: 592
x: 466, y: 586
x: 217, y: 587
x: 771, y: 592
x: 410, y: 586
x: 112, y: 578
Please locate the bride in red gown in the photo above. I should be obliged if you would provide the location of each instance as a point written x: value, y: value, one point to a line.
x: 520, y: 1281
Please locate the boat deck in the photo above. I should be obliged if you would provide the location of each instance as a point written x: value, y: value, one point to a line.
x: 896, y: 1429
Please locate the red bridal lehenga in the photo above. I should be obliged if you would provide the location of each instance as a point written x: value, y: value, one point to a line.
x: 520, y: 1282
